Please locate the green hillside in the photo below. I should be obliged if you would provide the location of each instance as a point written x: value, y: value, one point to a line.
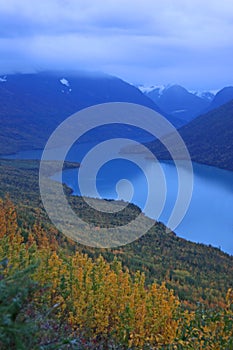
x: 208, y: 138
x: 195, y: 271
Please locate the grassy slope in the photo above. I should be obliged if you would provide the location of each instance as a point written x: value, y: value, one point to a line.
x: 194, y: 271
x: 208, y: 138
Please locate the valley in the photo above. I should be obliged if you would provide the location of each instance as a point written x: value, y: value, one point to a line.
x: 116, y: 175
x: 194, y: 262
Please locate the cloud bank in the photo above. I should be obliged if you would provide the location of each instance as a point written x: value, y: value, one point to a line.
x: 151, y: 42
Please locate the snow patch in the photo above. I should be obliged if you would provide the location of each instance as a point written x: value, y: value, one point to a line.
x: 147, y: 89
x: 3, y: 79
x: 65, y: 82
x: 214, y: 92
x: 179, y: 111
x: 207, y: 95
x: 160, y: 89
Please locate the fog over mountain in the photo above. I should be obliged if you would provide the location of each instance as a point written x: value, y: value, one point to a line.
x: 184, y: 42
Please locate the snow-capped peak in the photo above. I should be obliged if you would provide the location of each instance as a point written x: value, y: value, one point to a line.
x: 207, y: 95
x: 65, y: 82
x: 3, y: 79
x: 147, y: 89
x: 160, y: 89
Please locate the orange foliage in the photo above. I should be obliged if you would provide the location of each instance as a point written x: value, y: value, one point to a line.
x: 101, y: 300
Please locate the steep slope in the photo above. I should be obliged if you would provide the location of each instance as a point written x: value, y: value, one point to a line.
x: 223, y: 96
x: 195, y: 271
x: 32, y: 105
x: 208, y: 138
x: 177, y: 101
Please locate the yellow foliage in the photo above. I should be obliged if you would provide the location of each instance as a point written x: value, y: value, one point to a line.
x: 102, y: 300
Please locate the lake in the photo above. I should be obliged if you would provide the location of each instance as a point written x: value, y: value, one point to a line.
x: 209, y: 217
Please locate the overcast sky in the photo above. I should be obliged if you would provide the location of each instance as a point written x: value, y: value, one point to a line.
x: 189, y: 42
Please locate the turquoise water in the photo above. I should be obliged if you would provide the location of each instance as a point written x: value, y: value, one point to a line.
x: 209, y: 218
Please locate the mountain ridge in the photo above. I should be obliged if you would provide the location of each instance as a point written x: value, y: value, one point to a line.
x: 223, y: 96
x: 208, y: 138
x: 187, y: 104
x: 178, y: 101
x: 33, y: 105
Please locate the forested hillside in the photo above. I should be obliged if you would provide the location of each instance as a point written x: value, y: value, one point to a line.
x: 33, y: 105
x: 195, y: 271
x: 208, y: 138
x: 50, y: 298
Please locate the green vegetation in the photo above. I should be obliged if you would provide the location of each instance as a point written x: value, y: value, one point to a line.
x: 159, y: 292
x: 208, y: 138
x: 53, y: 299
x: 195, y: 272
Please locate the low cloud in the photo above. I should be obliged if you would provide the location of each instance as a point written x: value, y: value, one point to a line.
x: 188, y: 42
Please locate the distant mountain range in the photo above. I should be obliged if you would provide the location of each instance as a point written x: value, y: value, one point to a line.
x: 209, y: 138
x: 178, y: 101
x: 33, y: 105
x: 186, y: 105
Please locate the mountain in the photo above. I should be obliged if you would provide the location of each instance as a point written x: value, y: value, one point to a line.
x: 33, y: 105
x: 223, y: 96
x: 208, y: 138
x: 206, y: 95
x: 146, y: 89
x: 179, y: 102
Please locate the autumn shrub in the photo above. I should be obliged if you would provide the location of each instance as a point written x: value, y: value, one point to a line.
x: 80, y: 303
